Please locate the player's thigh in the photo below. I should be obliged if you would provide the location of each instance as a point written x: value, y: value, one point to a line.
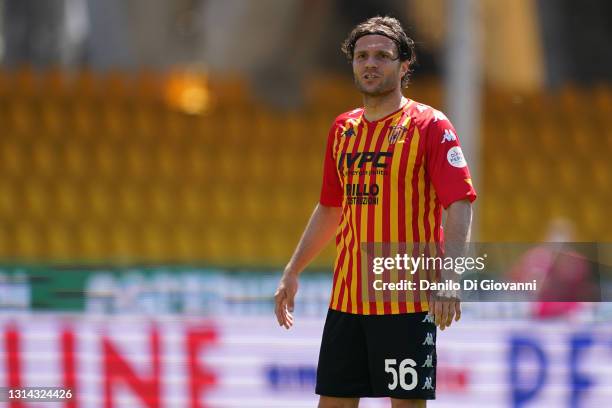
x: 402, y: 356
x: 401, y: 403
x: 333, y: 402
x: 343, y: 368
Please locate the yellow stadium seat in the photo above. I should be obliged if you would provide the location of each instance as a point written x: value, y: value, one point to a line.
x: 538, y: 174
x: 601, y: 97
x: 244, y: 246
x: 255, y: 204
x: 217, y: 244
x: 75, y: 158
x: 260, y: 165
x: 138, y: 161
x: 591, y: 213
x: 167, y: 162
x: 114, y: 121
x: 186, y: 243
x: 8, y: 199
x: 155, y: 239
x: 197, y: 164
x: 281, y: 208
x: 109, y: 161
x: 52, y: 118
x: 161, y: 201
x: 147, y: 85
x: 28, y: 241
x: 100, y: 200
x: 54, y: 84
x: 567, y: 174
x: 130, y: 202
x: 84, y: 120
x: 36, y: 198
x: 60, y: 241
x: 26, y: 82
x: 123, y: 241
x: 68, y: 201
x: 104, y: 155
x: 191, y: 202
x: 115, y: 85
x: 278, y: 247
x: 12, y: 156
x: 572, y: 100
x: 7, y: 241
x: 174, y: 125
x: 44, y: 158
x: 20, y: 117
x: 601, y: 174
x: 86, y: 85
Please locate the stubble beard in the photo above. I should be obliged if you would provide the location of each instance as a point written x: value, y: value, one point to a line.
x: 386, y: 87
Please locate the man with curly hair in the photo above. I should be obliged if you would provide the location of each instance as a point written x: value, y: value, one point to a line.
x: 390, y: 169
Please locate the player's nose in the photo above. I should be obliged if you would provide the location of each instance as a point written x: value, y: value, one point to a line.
x: 370, y: 62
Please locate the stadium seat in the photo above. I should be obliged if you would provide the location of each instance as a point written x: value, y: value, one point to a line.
x: 100, y: 166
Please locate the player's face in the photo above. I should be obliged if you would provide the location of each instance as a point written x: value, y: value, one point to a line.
x: 376, y: 66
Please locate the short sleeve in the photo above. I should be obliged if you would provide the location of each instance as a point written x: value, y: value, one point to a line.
x: 446, y: 164
x: 331, y: 189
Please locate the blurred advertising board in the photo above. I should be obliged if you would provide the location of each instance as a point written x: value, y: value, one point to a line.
x: 248, y: 361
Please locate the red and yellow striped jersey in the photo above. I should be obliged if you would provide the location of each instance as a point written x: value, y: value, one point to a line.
x: 392, y: 177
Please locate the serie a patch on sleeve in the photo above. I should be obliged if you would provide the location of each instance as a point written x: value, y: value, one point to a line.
x: 455, y: 158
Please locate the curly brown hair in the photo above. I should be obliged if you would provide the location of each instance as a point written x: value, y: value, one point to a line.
x: 389, y: 27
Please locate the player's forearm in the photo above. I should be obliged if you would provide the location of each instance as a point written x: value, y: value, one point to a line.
x: 457, y: 229
x: 319, y: 230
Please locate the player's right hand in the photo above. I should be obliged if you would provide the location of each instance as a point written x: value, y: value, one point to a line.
x: 284, y: 300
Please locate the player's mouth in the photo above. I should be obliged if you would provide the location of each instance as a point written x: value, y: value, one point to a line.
x: 368, y: 76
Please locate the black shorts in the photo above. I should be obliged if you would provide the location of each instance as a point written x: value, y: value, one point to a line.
x: 378, y: 356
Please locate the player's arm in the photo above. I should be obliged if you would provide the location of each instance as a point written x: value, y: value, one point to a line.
x: 319, y: 230
x: 457, y: 228
x: 451, y: 178
x: 457, y: 235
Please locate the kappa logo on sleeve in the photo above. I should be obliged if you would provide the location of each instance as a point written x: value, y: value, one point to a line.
x: 349, y: 132
x: 439, y: 115
x: 348, y: 129
x: 455, y: 157
x: 448, y: 136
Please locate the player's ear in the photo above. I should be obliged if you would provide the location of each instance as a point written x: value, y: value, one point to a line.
x: 404, y: 67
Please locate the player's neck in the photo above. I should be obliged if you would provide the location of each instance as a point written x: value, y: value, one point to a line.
x: 377, y: 107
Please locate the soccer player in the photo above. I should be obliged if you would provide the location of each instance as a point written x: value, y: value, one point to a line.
x: 389, y: 170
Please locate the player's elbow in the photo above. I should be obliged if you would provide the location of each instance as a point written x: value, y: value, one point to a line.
x: 459, y: 215
x: 462, y: 208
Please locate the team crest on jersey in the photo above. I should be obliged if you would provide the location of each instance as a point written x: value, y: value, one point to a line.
x: 397, y: 134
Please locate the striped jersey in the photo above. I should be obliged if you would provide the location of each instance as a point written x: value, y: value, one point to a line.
x: 391, y: 177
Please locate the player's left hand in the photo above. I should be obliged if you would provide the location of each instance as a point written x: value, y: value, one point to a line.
x: 444, y: 308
